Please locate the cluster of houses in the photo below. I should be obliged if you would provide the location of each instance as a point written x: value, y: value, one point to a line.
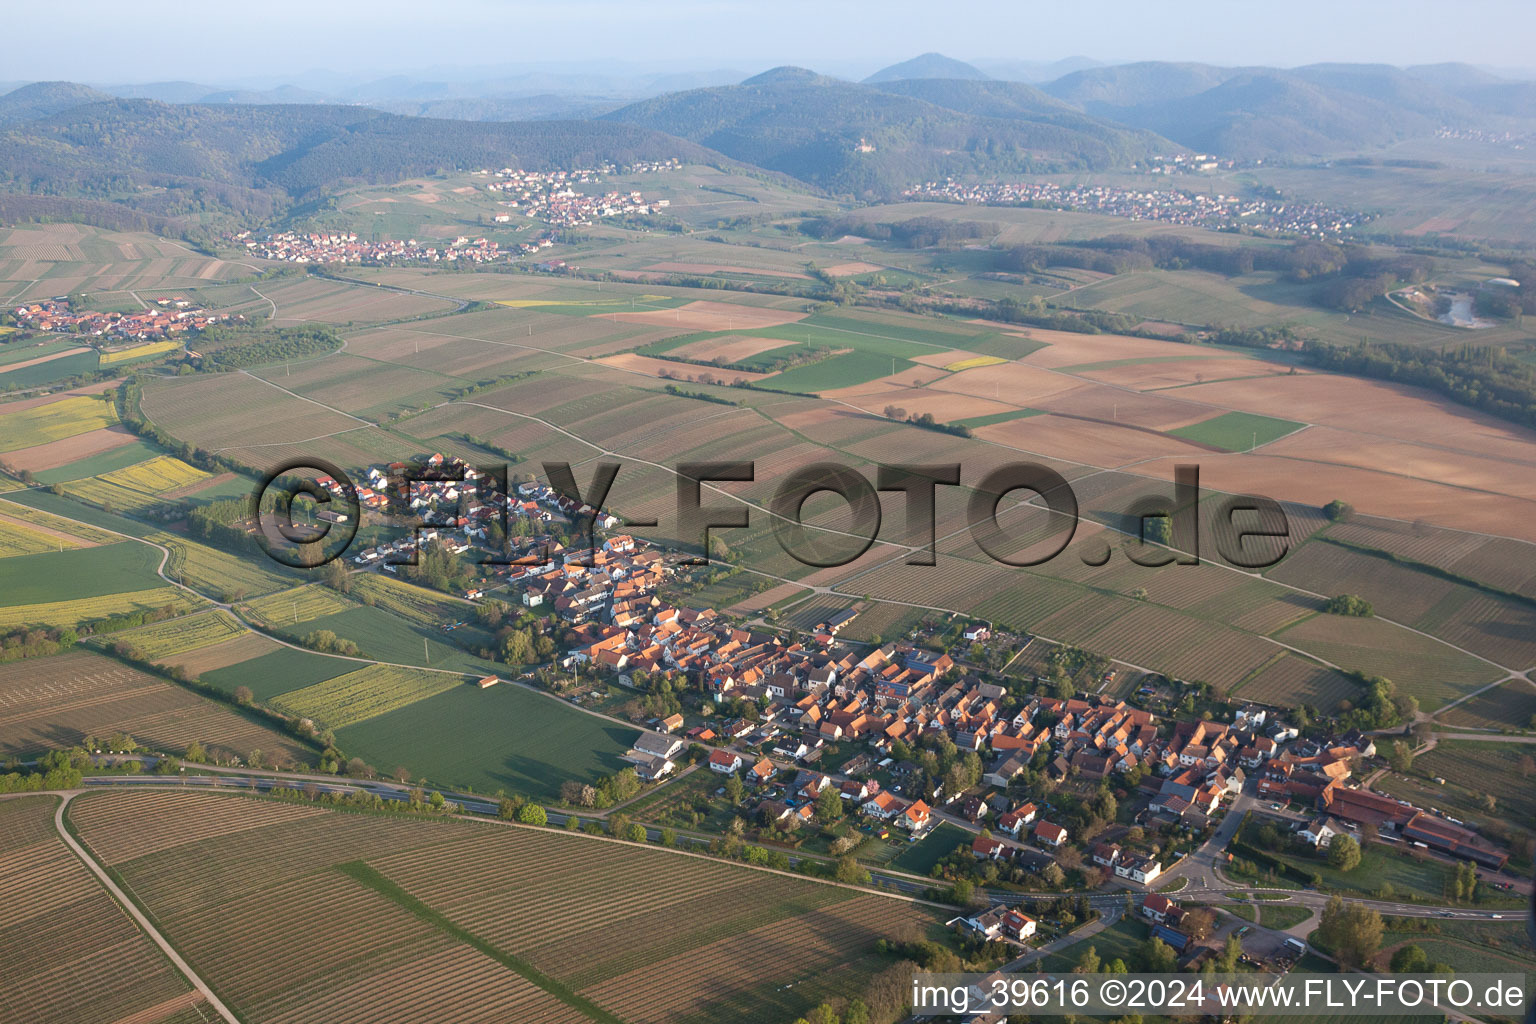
x: 1305, y: 769
x: 613, y: 584
x: 1169, y: 206
x: 345, y: 247
x: 551, y: 196
x: 168, y: 317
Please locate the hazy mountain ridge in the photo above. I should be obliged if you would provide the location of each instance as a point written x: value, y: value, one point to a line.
x: 872, y: 139
x: 43, y: 99
x: 928, y: 65
x: 1309, y: 111
x: 170, y: 159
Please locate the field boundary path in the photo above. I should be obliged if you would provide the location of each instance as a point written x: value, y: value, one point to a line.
x: 134, y: 912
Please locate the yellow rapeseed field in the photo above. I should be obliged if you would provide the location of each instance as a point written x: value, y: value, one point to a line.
x: 66, y: 418
x: 973, y: 362
x: 154, y: 348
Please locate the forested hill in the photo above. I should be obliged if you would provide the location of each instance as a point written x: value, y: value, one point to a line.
x: 871, y: 141
x: 1020, y: 102
x: 1296, y: 113
x: 171, y: 160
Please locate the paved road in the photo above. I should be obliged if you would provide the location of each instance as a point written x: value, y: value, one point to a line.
x: 1211, y: 889
x: 133, y: 911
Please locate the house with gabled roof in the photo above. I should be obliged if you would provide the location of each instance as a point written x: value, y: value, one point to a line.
x: 1050, y: 834
x: 726, y: 762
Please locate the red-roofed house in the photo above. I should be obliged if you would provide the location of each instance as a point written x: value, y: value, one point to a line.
x: 1051, y: 835
x: 725, y: 762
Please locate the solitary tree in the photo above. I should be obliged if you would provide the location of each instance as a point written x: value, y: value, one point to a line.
x: 533, y: 814
x: 1344, y: 853
x: 1352, y: 931
x: 1410, y: 959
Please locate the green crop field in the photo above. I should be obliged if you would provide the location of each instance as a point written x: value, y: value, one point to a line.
x: 920, y: 857
x: 504, y: 737
x: 1238, y: 431
x: 998, y: 417
x: 42, y: 374
x: 106, y: 462
x: 281, y: 671
x: 837, y: 372
x: 363, y: 694
x: 77, y: 573
x: 58, y: 505
x: 22, y: 352
x: 384, y: 636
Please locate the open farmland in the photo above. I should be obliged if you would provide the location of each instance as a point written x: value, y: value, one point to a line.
x: 137, y: 488
x: 1238, y: 432
x: 66, y: 417
x: 71, y: 955
x: 264, y: 876
x: 292, y: 607
x: 19, y: 538
x: 359, y: 696
x: 274, y: 670
x: 1510, y: 706
x: 505, y: 737
x: 227, y: 410
x: 43, y: 260
x: 339, y: 302
x: 200, y: 661
x: 57, y: 701
x: 1490, y: 625
x: 85, y: 610
x: 154, y: 348
x: 422, y: 606
x: 177, y: 636
x: 73, y: 457
x: 1420, y: 666
x: 54, y: 575
x: 222, y: 574
x: 1293, y: 679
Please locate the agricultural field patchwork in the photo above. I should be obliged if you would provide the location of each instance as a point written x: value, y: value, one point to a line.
x: 60, y: 925
x: 19, y: 538
x: 774, y: 946
x: 361, y: 695
x: 1238, y: 432
x: 54, y: 420
x: 177, y: 636
x: 58, y: 701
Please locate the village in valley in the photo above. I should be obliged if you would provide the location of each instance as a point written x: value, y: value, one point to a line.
x: 1216, y: 212
x: 1037, y: 785
x: 523, y: 523
x: 168, y: 317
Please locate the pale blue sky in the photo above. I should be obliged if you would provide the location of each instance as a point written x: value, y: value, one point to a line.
x: 218, y: 42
